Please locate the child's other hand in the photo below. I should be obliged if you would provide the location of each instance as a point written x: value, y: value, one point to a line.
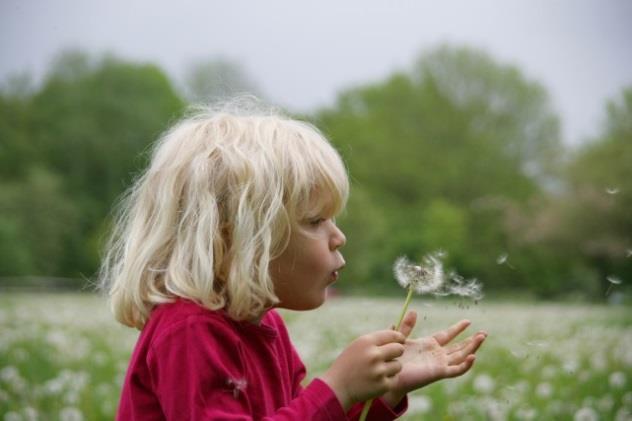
x: 428, y: 359
x: 367, y: 367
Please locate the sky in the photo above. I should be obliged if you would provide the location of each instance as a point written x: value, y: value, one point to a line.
x: 302, y: 53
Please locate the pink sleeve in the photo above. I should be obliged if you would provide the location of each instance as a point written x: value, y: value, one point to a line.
x: 196, y: 378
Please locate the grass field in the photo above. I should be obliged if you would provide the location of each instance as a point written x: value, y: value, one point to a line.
x: 63, y: 357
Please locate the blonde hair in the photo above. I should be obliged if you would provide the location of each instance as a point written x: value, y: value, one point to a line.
x: 224, y: 189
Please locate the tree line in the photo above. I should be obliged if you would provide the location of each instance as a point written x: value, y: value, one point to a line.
x: 458, y: 152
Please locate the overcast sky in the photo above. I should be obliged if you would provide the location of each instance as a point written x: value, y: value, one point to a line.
x: 301, y: 53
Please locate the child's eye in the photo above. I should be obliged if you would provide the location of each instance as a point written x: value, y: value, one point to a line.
x: 316, y: 221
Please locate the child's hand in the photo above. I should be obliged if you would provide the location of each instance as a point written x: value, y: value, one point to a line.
x: 366, y: 368
x: 428, y: 359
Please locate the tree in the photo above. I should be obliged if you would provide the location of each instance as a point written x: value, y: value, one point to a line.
x: 436, y: 145
x: 600, y: 195
x: 71, y: 148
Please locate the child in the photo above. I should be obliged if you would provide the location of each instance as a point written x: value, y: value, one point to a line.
x: 234, y: 217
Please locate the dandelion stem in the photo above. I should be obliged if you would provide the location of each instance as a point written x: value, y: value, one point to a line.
x: 406, y: 303
x: 367, y: 404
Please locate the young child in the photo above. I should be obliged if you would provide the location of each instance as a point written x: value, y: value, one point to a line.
x: 235, y: 217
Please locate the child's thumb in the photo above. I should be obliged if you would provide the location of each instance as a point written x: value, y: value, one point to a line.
x: 408, y: 323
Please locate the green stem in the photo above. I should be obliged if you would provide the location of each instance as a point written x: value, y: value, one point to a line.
x: 367, y: 404
x: 406, y: 303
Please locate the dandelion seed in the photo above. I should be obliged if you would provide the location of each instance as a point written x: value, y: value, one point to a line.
x: 503, y: 260
x: 628, y: 253
x: 614, y: 280
x: 237, y: 385
x: 612, y: 190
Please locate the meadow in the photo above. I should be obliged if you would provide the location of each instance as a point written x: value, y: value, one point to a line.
x: 62, y: 357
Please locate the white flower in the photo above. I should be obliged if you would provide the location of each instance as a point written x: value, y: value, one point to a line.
x: 70, y: 413
x: 419, y: 404
x: 623, y: 414
x: 12, y: 416
x: 484, y: 383
x: 586, y: 414
x: 544, y: 390
x: 617, y: 379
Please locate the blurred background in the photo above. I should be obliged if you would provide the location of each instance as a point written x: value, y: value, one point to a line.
x: 499, y: 132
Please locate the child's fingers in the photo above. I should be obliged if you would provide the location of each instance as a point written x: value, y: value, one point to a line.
x: 469, y: 346
x: 408, y: 324
x: 383, y: 337
x: 457, y: 370
x: 445, y: 336
x: 391, y: 368
x: 391, y: 351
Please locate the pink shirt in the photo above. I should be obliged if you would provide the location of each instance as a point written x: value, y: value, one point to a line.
x: 191, y: 363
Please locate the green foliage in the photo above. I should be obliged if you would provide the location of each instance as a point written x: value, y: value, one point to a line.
x: 69, y: 150
x: 434, y: 148
x: 458, y: 152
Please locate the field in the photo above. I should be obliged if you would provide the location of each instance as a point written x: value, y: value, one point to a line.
x: 63, y: 357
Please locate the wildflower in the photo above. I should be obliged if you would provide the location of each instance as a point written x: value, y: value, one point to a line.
x: 586, y: 414
x: 544, y: 390
x: 484, y: 383
x: 419, y: 404
x: 617, y: 379
x: 70, y: 413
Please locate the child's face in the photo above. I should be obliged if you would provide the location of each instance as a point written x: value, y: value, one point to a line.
x: 311, y: 262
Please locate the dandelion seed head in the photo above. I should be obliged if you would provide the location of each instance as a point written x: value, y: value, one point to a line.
x: 502, y: 258
x: 429, y: 277
x: 424, y: 278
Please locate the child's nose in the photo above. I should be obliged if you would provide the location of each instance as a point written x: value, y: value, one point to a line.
x: 338, y: 238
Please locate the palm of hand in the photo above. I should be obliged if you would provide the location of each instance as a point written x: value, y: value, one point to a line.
x: 424, y: 361
x: 428, y: 359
